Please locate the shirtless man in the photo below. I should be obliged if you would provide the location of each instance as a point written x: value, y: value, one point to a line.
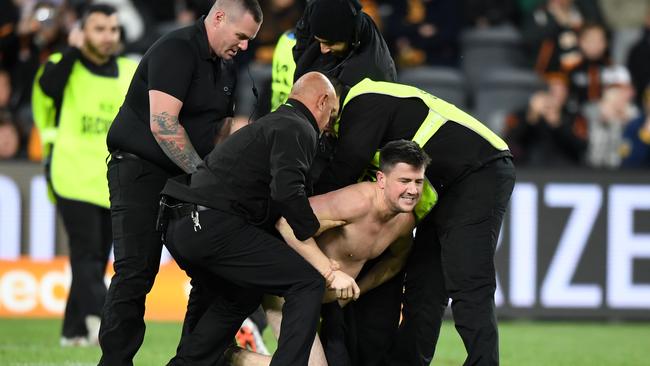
x: 366, y: 219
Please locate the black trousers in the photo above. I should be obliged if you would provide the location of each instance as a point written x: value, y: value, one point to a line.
x: 453, y: 257
x: 363, y: 331
x: 89, y: 233
x: 238, y: 262
x: 134, y: 186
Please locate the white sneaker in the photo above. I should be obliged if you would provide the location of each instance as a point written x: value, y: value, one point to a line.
x: 92, y: 324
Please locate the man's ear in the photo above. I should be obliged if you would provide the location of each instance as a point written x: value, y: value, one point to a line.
x: 218, y: 17
x: 322, y: 102
x: 381, y: 179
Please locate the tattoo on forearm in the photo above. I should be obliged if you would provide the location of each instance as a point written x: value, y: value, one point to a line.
x: 173, y: 140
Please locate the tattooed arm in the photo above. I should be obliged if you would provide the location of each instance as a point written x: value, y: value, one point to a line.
x: 168, y: 132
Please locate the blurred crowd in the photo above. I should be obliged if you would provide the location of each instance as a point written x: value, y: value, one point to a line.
x: 591, y: 56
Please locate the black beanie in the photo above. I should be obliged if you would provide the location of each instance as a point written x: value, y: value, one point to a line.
x: 333, y: 20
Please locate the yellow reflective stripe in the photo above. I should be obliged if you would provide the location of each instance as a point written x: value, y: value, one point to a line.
x: 447, y: 110
x: 429, y: 127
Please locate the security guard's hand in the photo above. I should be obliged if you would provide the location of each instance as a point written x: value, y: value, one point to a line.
x: 344, y: 286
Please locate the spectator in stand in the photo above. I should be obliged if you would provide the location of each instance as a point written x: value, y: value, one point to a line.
x: 9, y: 16
x: 423, y: 32
x: 9, y: 140
x: 280, y: 15
x: 635, y: 150
x: 638, y: 60
x: 12, y: 138
x: 41, y: 32
x: 551, y: 33
x: 586, y: 77
x: 5, y: 89
x: 607, y: 119
x: 546, y: 133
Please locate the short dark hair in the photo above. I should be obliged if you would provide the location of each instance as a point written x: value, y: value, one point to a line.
x: 102, y: 8
x: 402, y: 151
x: 251, y: 6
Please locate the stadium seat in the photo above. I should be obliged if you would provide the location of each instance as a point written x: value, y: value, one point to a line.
x: 621, y: 43
x: 443, y: 82
x: 486, y: 49
x: 503, y: 91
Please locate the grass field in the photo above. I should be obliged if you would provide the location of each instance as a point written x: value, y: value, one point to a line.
x: 35, y: 343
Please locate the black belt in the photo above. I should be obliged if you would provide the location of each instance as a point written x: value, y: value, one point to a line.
x: 121, y: 155
x: 183, y: 209
x: 174, y: 210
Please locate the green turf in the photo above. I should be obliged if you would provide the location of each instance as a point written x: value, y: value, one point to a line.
x: 35, y: 343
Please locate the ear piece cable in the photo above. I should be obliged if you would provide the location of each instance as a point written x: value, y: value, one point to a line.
x: 255, y: 93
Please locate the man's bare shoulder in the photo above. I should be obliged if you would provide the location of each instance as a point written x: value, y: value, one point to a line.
x: 346, y: 203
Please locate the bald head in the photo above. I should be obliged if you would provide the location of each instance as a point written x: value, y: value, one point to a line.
x: 317, y: 93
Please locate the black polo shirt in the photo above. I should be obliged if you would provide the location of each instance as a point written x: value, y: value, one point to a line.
x: 180, y: 64
x: 259, y: 172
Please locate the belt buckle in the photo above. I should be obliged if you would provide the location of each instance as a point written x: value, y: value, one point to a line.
x: 195, y: 219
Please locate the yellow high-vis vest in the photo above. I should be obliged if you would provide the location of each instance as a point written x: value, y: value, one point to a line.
x: 440, y: 112
x: 78, y: 154
x: 283, y: 69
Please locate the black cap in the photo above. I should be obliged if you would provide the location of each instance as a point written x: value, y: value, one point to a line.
x: 333, y: 20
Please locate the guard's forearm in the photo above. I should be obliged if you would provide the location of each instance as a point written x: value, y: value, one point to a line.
x: 307, y: 249
x: 173, y: 140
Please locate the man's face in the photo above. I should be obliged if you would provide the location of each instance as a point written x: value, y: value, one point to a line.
x: 402, y: 186
x: 338, y: 49
x: 593, y: 43
x: 101, y: 34
x: 232, y: 32
x: 5, y: 88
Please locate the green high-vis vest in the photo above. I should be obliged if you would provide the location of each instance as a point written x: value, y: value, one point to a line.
x: 283, y: 69
x: 440, y: 112
x: 89, y: 105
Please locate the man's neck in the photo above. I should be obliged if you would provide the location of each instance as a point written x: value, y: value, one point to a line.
x: 93, y: 57
x: 383, y: 212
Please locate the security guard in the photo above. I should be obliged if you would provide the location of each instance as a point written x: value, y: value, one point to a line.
x: 334, y: 37
x: 76, y: 96
x: 180, y: 98
x: 453, y: 255
x: 218, y: 219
